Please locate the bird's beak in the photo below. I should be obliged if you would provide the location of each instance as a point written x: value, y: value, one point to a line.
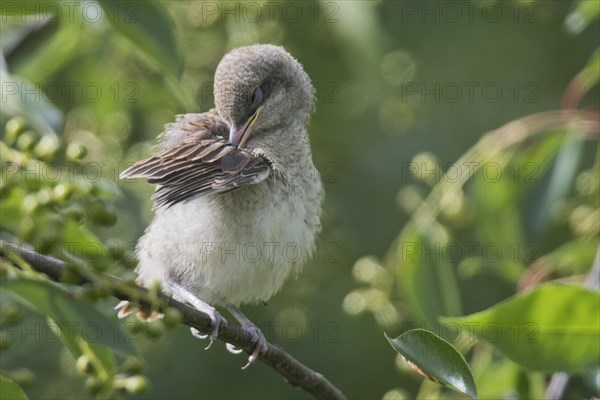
x: 238, y: 134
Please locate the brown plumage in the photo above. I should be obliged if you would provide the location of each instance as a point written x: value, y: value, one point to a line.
x: 204, y: 162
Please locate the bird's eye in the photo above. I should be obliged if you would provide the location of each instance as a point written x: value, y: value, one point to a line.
x: 257, y: 97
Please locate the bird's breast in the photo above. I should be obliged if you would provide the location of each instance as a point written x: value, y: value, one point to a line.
x: 236, y: 247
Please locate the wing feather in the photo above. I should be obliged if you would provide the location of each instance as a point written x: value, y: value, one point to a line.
x: 197, y: 160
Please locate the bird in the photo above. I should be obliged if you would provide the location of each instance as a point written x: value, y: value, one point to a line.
x: 238, y: 199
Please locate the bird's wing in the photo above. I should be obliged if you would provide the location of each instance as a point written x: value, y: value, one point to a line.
x: 196, y: 160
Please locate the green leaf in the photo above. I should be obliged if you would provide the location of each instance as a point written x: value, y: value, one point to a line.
x: 75, y: 318
x: 500, y: 378
x: 10, y: 390
x: 10, y: 209
x: 436, y: 358
x: 21, y: 97
x: 82, y: 244
x: 146, y: 25
x: 50, y: 50
x: 427, y: 277
x: 499, y: 227
x: 561, y: 181
x: 589, y: 76
x: 574, y: 257
x: 550, y: 328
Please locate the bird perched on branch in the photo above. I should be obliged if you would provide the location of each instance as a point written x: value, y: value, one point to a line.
x: 238, y: 198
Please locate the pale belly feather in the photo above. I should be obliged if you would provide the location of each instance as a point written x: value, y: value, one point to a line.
x: 228, y: 249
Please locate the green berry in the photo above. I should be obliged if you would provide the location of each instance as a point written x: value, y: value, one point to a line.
x: 47, y: 148
x: 172, y: 318
x: 84, y: 365
x: 135, y: 384
x: 44, y: 196
x: 132, y: 365
x: 30, y: 204
x: 26, y: 141
x: 103, y: 213
x: 75, y: 211
x: 75, y: 152
x: 14, y: 127
x: 63, y: 191
x: 11, y: 314
x: 93, y: 385
x: 154, y: 330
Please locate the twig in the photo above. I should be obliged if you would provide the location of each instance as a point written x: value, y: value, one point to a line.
x: 557, y: 385
x: 592, y: 280
x: 293, y: 371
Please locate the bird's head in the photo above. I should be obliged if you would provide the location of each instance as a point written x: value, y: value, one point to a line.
x: 260, y: 87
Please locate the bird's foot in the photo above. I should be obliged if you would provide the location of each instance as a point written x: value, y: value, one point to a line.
x: 144, y: 314
x: 257, y: 336
x: 261, y: 343
x: 216, y: 319
x: 125, y: 309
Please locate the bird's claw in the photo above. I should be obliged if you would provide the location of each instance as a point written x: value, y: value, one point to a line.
x: 233, y: 349
x: 216, y: 320
x: 199, y: 335
x: 126, y: 308
x: 261, y: 343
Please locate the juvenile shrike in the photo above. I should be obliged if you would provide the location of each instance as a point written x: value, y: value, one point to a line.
x: 238, y: 199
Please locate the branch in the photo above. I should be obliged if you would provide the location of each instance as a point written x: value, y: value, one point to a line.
x: 292, y: 370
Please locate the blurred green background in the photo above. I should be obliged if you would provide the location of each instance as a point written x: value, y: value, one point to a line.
x: 398, y: 82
